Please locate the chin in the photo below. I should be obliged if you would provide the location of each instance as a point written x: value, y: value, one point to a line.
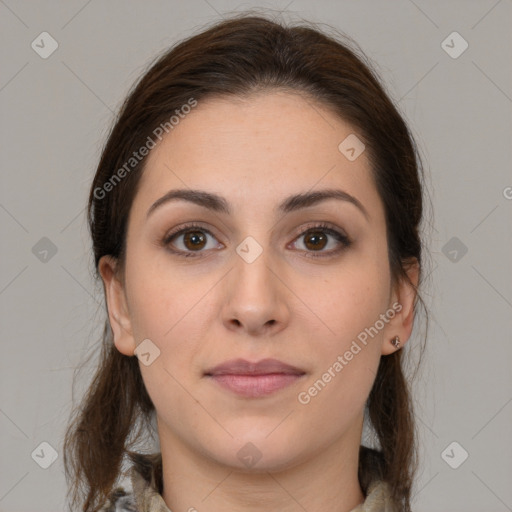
x: 256, y: 451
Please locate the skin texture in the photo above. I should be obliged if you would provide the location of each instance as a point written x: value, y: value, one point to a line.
x: 305, y: 311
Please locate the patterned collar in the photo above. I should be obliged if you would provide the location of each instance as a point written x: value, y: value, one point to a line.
x: 146, y: 480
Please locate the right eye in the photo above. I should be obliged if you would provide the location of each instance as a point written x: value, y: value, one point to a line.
x: 191, y: 239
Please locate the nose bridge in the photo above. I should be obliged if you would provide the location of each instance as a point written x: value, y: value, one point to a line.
x: 252, y: 268
x: 255, y: 299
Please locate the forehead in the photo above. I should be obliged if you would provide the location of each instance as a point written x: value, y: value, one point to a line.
x: 256, y: 150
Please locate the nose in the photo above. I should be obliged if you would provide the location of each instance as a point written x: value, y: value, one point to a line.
x: 255, y: 301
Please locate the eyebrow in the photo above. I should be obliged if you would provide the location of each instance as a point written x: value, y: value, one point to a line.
x: 219, y: 204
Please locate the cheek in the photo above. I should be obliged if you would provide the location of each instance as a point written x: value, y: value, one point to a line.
x: 347, y: 359
x: 162, y: 298
x: 174, y: 311
x: 348, y: 300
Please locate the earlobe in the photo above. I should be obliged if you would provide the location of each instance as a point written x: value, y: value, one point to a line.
x: 119, y: 318
x: 400, y: 327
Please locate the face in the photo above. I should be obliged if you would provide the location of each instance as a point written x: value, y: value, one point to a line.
x: 255, y: 276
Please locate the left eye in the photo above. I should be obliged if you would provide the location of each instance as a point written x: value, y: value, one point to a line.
x: 318, y: 239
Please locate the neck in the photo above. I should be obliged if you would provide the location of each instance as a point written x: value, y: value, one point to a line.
x: 326, y: 481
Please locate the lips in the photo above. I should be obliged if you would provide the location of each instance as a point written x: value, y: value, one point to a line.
x: 253, y: 380
x: 263, y: 367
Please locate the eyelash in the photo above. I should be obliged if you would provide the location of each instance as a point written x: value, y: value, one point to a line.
x: 321, y: 226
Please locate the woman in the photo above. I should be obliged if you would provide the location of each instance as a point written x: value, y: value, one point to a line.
x: 255, y: 223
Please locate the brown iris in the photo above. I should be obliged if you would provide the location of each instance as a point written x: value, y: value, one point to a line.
x: 317, y: 240
x: 197, y: 239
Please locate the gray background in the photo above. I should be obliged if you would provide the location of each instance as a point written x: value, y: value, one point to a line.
x: 55, y: 115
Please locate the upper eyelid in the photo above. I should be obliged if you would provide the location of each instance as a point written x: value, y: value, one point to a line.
x: 186, y: 227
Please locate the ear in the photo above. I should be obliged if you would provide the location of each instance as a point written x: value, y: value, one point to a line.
x: 403, y: 297
x: 117, y: 307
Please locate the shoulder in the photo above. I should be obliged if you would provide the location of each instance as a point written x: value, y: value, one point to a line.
x: 120, y: 501
x: 144, y: 481
x: 378, y: 498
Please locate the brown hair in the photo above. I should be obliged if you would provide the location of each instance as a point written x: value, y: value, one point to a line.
x: 244, y: 54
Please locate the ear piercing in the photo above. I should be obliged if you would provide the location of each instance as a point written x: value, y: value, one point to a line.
x: 395, y: 342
